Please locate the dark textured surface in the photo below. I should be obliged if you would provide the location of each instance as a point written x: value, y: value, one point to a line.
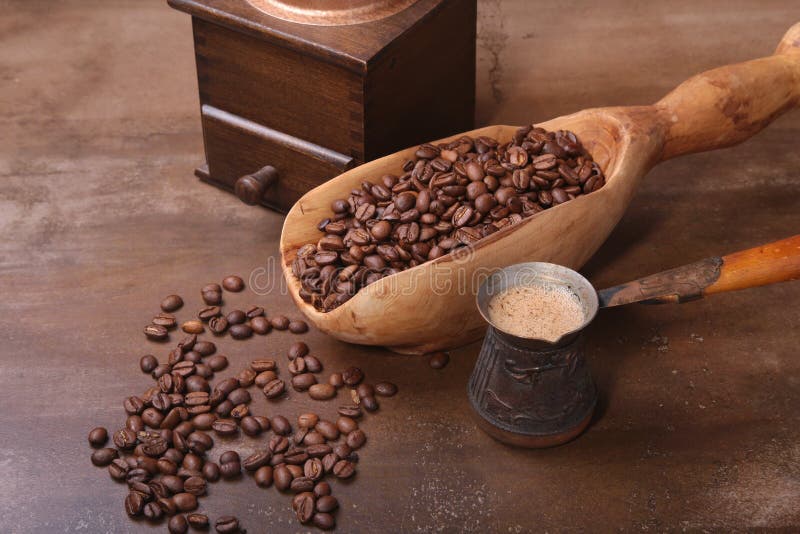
x: 100, y: 218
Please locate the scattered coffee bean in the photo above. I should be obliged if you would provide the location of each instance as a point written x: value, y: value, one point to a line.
x: 225, y: 427
x: 356, y: 439
x: 307, y: 420
x: 98, y: 437
x: 370, y: 404
x: 298, y: 327
x: 329, y: 430
x: 264, y: 378
x: 327, y: 503
x: 217, y: 363
x: 212, y: 298
x: 197, y: 521
x: 156, y: 332
x: 233, y: 284
x: 152, y: 511
x: 211, y: 471
x: 303, y: 381
x: 256, y: 460
x: 227, y: 524
x: 134, y: 504
x: 322, y: 391
x: 218, y: 325
x: 344, y: 469
x: 250, y: 426
x: 336, y: 380
x: 322, y: 489
x: 167, y: 320
x: 205, y: 348
x: 260, y: 325
x: 274, y: 389
x: 298, y: 349
x: 353, y: 412
x: 281, y: 425
x: 240, y: 331
x: 385, y: 389
x: 323, y: 521
x: 438, y: 360
x: 236, y: 317
x: 282, y: 477
x: 177, y: 524
x: 313, y: 365
x: 192, y: 327
x: 365, y: 390
x: 352, y: 376
x: 103, y: 457
x: 346, y: 424
x: 279, y: 322
x: 148, y: 363
x: 303, y: 506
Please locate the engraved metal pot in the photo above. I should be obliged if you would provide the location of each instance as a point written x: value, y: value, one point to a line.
x: 531, y: 392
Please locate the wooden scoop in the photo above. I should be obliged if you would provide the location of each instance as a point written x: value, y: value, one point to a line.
x: 431, y: 306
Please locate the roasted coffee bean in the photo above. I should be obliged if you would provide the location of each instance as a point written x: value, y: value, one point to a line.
x: 346, y: 424
x: 103, y: 457
x: 246, y: 377
x: 313, y: 365
x: 365, y: 390
x: 328, y: 430
x: 303, y: 381
x: 148, y: 363
x: 295, y: 456
x: 307, y: 420
x: 298, y: 327
x: 185, y: 502
x: 196, y: 383
x: 370, y: 404
x: 262, y: 379
x: 239, y: 396
x: 212, y: 298
x: 205, y: 348
x: 318, y: 450
x: 297, y: 366
x: 167, y: 466
x: 282, y: 477
x: 98, y: 437
x: 256, y: 460
x: 195, y: 486
x: 233, y: 283
x: 193, y: 326
x: 263, y: 476
x: 236, y: 317
x: 438, y: 360
x: 197, y: 521
x: 192, y: 461
x: 322, y: 391
x: 344, y: 469
x: 352, y: 376
x: 224, y: 408
x: 211, y: 471
x: 356, y: 439
x: 161, y: 370
x: 134, y: 504
x: 301, y: 484
x: 152, y: 417
x: 313, y: 438
x: 174, y: 417
x: 313, y: 469
x: 279, y: 322
x: 385, y: 389
x: 177, y: 524
x: 327, y: 503
x: 184, y: 428
x: 167, y: 320
x: 118, y: 469
x: 240, y: 331
x: 262, y: 365
x: 260, y: 325
x: 152, y: 511
x: 328, y: 461
x: 218, y: 325
x: 323, y: 521
x: 336, y: 380
x: 227, y: 524
x: 125, y: 439
x: 184, y: 368
x: 274, y: 389
x: 263, y: 421
x: 278, y: 444
x: 281, y: 425
x: 230, y: 470
x: 353, y: 412
x: 303, y: 506
x: 254, y: 311
x: 199, y: 442
x: 225, y: 427
x: 186, y: 344
x: 171, y: 303
x: 298, y: 349
x: 250, y: 426
x: 156, y: 332
x: 218, y: 362
x: 167, y: 505
x: 322, y: 489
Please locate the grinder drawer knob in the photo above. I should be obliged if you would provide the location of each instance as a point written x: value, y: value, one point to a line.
x: 251, y: 188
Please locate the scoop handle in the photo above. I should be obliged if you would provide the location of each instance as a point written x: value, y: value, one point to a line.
x: 727, y: 105
x: 759, y: 266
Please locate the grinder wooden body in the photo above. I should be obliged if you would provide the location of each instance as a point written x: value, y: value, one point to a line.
x: 431, y: 306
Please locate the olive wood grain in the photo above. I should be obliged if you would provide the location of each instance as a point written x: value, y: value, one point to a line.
x: 431, y: 306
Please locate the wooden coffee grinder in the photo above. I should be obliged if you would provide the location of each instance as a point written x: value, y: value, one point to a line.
x: 295, y: 92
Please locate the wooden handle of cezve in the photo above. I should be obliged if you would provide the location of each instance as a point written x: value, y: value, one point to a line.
x: 767, y: 264
x: 725, y: 106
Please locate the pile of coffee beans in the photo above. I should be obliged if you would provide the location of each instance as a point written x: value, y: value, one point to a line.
x: 162, y: 451
x: 449, y: 196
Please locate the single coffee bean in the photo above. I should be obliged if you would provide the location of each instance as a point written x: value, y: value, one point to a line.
x: 152, y: 511
x: 298, y: 349
x: 370, y: 404
x: 156, y: 332
x: 134, y: 504
x: 230, y: 470
x: 192, y: 327
x: 279, y: 322
x: 313, y: 365
x: 225, y: 427
x: 283, y: 477
x: 195, y: 486
x: 217, y: 363
x: 262, y: 365
x: 212, y: 298
x: 281, y: 425
x: 365, y: 390
x: 152, y: 417
x: 274, y: 389
x: 353, y: 412
x: 218, y: 325
x: 161, y: 370
x: 118, y: 469
x: 227, y: 524
x: 200, y: 442
x: 256, y: 460
x: 307, y: 420
x: 148, y: 363
x: 328, y: 461
x: 98, y: 437
x: 297, y: 366
x: 125, y: 439
x: 185, y: 502
x: 298, y: 327
x: 197, y: 521
x: 313, y: 469
x: 262, y: 379
x: 321, y: 391
x: 196, y: 383
x: 239, y: 396
x: 236, y: 317
x: 250, y: 426
x: 314, y: 438
x: 247, y: 377
x: 263, y: 422
x: 303, y: 506
x: 352, y: 376
x: 167, y: 466
x: 323, y: 521
x: 295, y: 456
x: 167, y: 320
x: 205, y: 348
x: 263, y: 476
x: 177, y: 524
x: 211, y: 471
x: 328, y: 430
x: 240, y: 331
x: 233, y: 283
x: 438, y: 360
x: 356, y: 439
x: 167, y: 505
x: 303, y: 381
x: 346, y: 424
x: 278, y: 444
x: 103, y: 457
x: 327, y: 503
x: 229, y: 456
x: 322, y: 489
x: 385, y: 389
x: 301, y: 484
x: 260, y: 325
x: 344, y: 469
x: 336, y: 380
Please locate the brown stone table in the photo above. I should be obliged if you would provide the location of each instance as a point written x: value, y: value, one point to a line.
x: 100, y: 217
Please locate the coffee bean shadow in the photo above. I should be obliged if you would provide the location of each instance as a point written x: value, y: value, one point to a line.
x: 610, y: 340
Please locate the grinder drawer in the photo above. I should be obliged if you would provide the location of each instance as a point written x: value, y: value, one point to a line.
x: 237, y: 149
